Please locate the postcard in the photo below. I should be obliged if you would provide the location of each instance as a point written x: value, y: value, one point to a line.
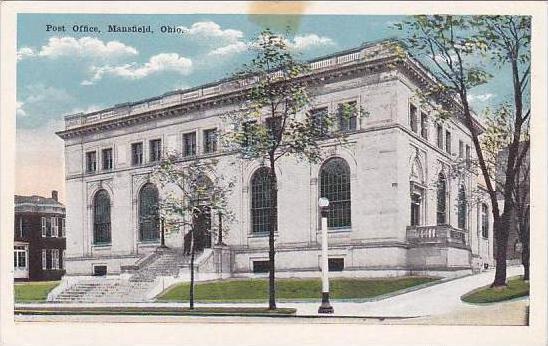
x: 216, y: 172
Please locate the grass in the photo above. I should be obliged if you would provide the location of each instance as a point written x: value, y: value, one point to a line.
x: 515, y: 288
x: 257, y: 289
x: 26, y: 292
x: 149, y: 311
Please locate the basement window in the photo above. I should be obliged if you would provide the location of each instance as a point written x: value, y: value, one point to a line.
x: 261, y: 266
x: 335, y: 264
x: 99, y: 270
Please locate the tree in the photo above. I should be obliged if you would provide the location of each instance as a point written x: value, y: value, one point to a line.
x: 271, y: 122
x: 193, y: 190
x: 454, y: 46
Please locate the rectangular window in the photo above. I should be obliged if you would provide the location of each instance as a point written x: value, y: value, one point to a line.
x: 413, y: 118
x: 54, y: 227
x: 20, y: 228
x: 91, y: 161
x: 210, y: 141
x: 55, y: 259
x: 63, y: 234
x: 424, y: 126
x: 137, y: 154
x: 107, y: 159
x: 189, y: 144
x: 63, y: 260
x: 448, y: 142
x: 249, y: 128
x: 44, y: 259
x: 335, y: 264
x: 155, y: 150
x: 468, y: 157
x: 348, y: 116
x: 20, y: 257
x: 415, y: 209
x: 439, y: 133
x: 44, y: 227
x: 461, y: 149
x: 274, y: 126
x: 99, y: 270
x: 484, y: 221
x: 319, y: 117
x: 261, y: 266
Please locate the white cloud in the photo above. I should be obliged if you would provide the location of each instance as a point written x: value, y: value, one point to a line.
x: 20, y: 111
x: 212, y: 31
x: 25, y: 52
x: 85, y: 47
x: 158, y: 63
x: 481, y: 97
x: 229, y: 50
x: 309, y: 41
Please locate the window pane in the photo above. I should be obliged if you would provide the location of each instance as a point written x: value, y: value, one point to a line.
x: 335, y: 186
x: 101, y: 218
x: 441, y: 215
x: 148, y: 213
x: 261, y: 204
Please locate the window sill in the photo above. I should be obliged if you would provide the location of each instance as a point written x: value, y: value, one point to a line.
x: 102, y: 245
x: 336, y: 230
x: 261, y: 235
x: 148, y: 242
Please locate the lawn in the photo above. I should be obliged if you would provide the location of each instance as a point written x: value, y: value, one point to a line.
x: 257, y: 289
x: 33, y: 291
x: 516, y: 288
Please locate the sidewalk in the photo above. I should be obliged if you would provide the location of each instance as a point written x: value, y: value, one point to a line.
x: 435, y: 300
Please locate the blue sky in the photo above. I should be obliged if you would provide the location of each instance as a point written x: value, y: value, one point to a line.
x: 61, y: 73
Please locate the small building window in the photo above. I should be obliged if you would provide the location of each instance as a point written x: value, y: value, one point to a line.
x: 442, y: 200
x: 348, y: 116
x: 20, y: 257
x: 54, y: 227
x: 461, y: 149
x: 416, y: 199
x: 468, y: 157
x: 91, y: 161
x: 210, y: 141
x: 319, y: 118
x: 484, y: 221
x: 155, y: 150
x: 448, y: 142
x: 99, y: 270
x: 107, y: 159
x: 137, y: 154
x: 413, y: 118
x: 424, y: 126
x: 50, y: 259
x: 462, y: 208
x: 189, y: 144
x: 439, y: 136
x: 261, y: 266
x: 335, y: 264
x: 262, y: 205
x: 274, y: 127
x: 249, y: 128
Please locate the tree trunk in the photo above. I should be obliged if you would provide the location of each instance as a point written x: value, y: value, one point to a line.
x: 191, y: 288
x: 501, y: 227
x: 272, y: 230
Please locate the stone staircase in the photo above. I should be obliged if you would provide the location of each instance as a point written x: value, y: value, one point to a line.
x: 163, y: 263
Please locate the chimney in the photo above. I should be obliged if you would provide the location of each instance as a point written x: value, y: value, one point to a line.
x: 54, y: 195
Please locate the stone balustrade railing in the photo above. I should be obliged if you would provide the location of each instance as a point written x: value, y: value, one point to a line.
x: 442, y: 234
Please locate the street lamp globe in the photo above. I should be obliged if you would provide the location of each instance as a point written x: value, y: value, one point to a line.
x: 323, y: 202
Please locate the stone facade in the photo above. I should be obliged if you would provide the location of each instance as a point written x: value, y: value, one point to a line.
x: 390, y: 157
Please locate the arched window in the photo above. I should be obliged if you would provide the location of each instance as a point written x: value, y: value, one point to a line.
x: 441, y: 211
x: 261, y: 205
x: 101, y: 218
x: 148, y: 213
x: 484, y: 221
x: 335, y: 186
x: 462, y: 208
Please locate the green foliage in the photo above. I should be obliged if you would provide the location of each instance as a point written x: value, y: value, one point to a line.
x: 33, y: 291
x: 187, y: 186
x: 516, y: 287
x: 273, y: 121
x: 256, y: 289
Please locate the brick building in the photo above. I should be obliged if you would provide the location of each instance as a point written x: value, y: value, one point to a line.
x: 39, y: 238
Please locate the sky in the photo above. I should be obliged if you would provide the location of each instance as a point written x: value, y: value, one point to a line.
x: 66, y: 72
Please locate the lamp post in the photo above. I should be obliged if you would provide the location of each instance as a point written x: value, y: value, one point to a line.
x: 325, y: 307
